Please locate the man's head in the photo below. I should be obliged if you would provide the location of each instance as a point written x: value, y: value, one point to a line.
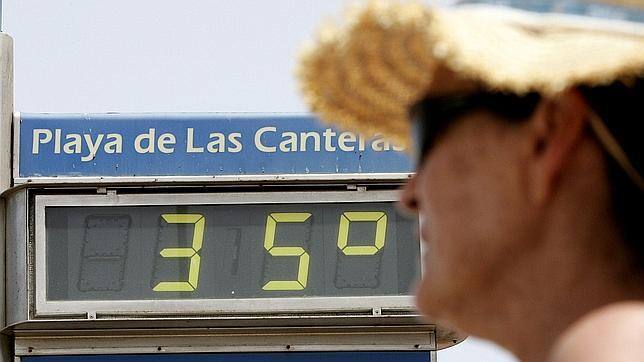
x: 504, y: 181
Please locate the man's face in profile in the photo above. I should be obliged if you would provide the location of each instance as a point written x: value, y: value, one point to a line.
x: 475, y: 219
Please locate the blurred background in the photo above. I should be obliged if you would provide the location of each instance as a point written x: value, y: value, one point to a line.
x: 171, y: 56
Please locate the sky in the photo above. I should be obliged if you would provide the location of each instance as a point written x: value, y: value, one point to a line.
x: 171, y: 56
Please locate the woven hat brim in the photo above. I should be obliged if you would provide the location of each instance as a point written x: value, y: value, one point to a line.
x: 365, y: 75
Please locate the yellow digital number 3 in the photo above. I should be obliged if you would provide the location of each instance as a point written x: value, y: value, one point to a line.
x: 269, y: 244
x: 193, y: 253
x: 343, y: 232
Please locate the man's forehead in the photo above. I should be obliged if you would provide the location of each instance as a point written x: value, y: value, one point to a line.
x: 446, y: 82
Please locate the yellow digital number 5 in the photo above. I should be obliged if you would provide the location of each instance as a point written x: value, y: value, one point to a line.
x: 269, y: 244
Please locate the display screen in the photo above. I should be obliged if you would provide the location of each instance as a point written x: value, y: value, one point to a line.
x: 229, y: 251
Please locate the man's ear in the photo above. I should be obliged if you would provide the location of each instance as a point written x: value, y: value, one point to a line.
x: 557, y: 128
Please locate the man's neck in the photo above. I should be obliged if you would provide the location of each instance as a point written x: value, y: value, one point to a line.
x: 582, y: 271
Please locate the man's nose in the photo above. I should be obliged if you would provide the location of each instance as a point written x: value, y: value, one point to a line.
x: 408, y: 202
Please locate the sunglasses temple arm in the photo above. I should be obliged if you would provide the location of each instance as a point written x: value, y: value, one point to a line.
x: 613, y: 148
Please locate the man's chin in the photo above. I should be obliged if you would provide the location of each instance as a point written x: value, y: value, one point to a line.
x: 436, y: 300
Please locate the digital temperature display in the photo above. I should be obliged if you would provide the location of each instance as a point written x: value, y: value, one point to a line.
x: 229, y: 251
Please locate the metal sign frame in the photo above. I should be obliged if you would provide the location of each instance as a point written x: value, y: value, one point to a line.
x: 261, y: 306
x: 174, y: 341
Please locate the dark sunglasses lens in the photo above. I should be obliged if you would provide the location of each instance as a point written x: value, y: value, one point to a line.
x: 432, y: 116
x: 418, y: 139
x: 429, y: 121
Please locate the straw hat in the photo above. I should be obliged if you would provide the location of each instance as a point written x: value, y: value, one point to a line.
x: 365, y: 74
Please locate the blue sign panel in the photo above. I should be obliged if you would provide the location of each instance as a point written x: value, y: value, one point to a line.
x: 126, y: 145
x: 246, y: 357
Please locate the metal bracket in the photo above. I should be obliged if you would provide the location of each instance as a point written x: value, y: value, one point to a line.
x: 105, y: 191
x: 354, y: 187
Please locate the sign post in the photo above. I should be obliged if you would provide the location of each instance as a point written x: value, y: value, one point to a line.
x: 6, y: 109
x: 6, y: 115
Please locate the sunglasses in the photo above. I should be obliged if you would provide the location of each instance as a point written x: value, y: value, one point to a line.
x: 432, y: 116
